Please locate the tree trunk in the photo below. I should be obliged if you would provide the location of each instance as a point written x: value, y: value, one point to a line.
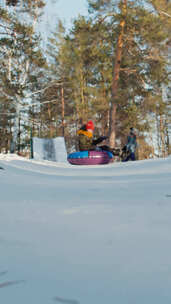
x: 162, y: 137
x: 50, y: 121
x: 115, y: 81
x: 63, y: 111
x: 83, y: 102
x: 19, y: 134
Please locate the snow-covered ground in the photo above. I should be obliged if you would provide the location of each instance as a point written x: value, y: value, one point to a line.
x: 85, y: 235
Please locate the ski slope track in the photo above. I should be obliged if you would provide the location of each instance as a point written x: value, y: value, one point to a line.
x: 85, y: 234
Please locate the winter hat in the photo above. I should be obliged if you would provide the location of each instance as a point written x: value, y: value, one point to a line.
x: 90, y: 125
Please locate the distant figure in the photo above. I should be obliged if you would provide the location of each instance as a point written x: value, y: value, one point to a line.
x: 128, y: 151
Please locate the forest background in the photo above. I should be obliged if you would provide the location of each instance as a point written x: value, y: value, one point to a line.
x: 112, y: 66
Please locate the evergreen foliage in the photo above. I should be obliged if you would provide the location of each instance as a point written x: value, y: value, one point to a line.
x: 12, y: 2
x: 22, y: 63
x: 111, y: 66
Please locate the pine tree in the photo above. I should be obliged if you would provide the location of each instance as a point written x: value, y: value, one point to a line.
x: 72, y: 59
x: 22, y: 60
x: 141, y: 69
x: 58, y: 75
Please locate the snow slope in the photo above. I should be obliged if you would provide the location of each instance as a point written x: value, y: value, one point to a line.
x: 85, y: 235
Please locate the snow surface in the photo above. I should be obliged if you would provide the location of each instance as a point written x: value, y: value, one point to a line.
x: 83, y: 234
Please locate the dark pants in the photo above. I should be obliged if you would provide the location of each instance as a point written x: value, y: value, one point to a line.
x: 131, y: 156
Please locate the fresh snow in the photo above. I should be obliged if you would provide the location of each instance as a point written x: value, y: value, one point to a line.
x: 85, y: 234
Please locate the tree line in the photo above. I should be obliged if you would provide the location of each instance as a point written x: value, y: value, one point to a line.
x: 112, y: 66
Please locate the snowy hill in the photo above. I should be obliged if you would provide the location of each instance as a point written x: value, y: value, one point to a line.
x: 85, y: 235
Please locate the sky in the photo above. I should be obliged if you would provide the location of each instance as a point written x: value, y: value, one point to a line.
x: 63, y: 9
x: 66, y: 10
x: 85, y: 234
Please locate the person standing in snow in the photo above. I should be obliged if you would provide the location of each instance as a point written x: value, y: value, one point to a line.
x: 130, y: 148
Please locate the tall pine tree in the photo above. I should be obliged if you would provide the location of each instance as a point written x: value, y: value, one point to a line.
x: 21, y: 58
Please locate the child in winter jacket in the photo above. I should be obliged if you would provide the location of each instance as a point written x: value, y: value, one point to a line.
x: 131, y: 145
x: 85, y: 137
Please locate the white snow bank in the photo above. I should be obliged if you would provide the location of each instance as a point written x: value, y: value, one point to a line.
x: 83, y: 234
x: 52, y: 149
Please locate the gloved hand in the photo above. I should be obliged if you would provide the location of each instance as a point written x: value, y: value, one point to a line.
x: 99, y: 140
x: 103, y: 137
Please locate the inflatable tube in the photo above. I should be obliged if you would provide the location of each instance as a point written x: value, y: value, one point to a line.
x: 90, y: 157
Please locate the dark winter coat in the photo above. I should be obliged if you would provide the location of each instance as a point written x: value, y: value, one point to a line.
x: 131, y: 143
